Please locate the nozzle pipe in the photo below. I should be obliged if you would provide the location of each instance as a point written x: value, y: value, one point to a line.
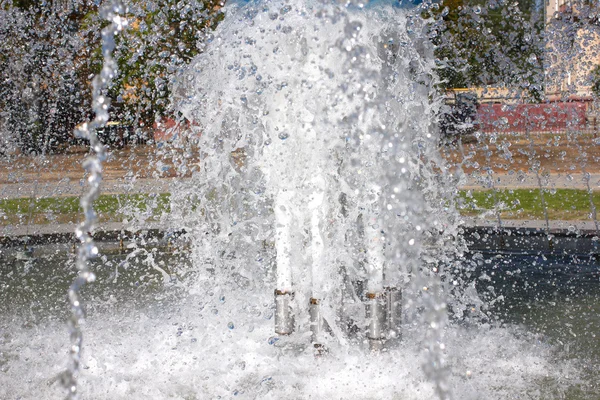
x: 284, y: 315
x: 318, y: 326
x: 393, y: 313
x: 375, y: 313
x: 375, y: 318
x: 316, y: 320
x: 374, y: 241
x: 283, y: 240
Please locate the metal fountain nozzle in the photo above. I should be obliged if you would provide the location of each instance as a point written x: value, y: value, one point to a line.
x: 383, y: 317
x: 318, y: 326
x: 393, y: 313
x: 375, y: 318
x: 284, y: 315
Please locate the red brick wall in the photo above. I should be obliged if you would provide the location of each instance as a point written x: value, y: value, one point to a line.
x: 535, y: 117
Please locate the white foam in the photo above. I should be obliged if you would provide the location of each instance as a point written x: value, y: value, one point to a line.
x: 186, y: 351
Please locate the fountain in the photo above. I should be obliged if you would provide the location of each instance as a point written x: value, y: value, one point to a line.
x: 319, y: 252
x: 321, y: 103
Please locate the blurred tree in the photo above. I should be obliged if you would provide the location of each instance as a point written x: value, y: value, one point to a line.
x: 50, y: 50
x: 489, y: 43
x: 596, y: 81
x: 41, y: 93
x: 163, y: 37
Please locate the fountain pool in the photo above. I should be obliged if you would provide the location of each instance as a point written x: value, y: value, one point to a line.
x: 322, y: 254
x: 147, y: 336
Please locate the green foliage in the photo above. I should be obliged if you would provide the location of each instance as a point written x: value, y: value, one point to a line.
x: 163, y: 37
x: 50, y: 51
x: 596, y: 80
x: 481, y: 43
x: 42, y: 94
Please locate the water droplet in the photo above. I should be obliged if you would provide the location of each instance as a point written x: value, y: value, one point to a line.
x: 230, y: 325
x: 352, y: 29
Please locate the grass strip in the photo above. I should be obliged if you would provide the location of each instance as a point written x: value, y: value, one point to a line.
x: 110, y: 207
x: 561, y: 204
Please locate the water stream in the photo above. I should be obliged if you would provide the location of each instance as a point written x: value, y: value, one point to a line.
x: 301, y: 105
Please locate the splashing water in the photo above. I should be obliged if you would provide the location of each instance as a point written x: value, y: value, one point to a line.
x: 317, y: 136
x: 319, y: 178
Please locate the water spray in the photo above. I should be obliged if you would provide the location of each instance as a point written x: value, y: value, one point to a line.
x: 93, y: 165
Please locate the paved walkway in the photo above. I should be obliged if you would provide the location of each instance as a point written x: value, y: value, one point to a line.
x: 530, y: 181
x: 68, y: 187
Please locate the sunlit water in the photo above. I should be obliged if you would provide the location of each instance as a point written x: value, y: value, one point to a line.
x: 317, y: 100
x: 151, y: 338
x: 315, y: 124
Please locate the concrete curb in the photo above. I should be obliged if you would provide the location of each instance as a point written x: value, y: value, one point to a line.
x: 564, y: 237
x: 65, y: 233
x: 553, y: 227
